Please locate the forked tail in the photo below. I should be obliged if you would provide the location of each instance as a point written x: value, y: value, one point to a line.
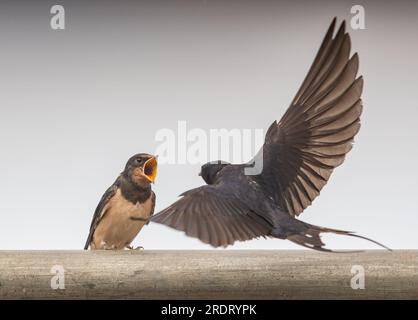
x: 309, y: 236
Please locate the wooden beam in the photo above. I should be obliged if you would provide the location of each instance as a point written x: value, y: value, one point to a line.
x: 212, y: 274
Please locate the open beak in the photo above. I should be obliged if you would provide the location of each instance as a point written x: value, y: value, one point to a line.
x: 150, y: 168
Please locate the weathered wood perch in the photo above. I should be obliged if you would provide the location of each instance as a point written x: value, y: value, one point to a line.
x: 207, y: 275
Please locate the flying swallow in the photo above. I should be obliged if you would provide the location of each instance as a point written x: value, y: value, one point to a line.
x: 298, y: 156
x: 126, y: 206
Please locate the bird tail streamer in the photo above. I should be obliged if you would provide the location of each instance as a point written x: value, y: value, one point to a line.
x: 309, y: 236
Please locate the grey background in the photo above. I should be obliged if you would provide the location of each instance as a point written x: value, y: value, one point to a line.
x: 76, y: 104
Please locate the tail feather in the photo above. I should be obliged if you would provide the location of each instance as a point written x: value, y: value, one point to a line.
x: 310, y: 238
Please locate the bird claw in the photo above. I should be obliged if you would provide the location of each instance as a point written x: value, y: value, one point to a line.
x: 132, y: 248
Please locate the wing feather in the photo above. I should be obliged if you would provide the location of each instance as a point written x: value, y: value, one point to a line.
x: 317, y: 130
x: 213, y: 215
x: 100, y: 211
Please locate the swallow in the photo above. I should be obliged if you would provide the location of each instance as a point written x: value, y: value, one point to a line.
x: 125, y: 207
x: 296, y: 160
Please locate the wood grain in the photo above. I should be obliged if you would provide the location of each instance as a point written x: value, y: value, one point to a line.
x: 211, y: 274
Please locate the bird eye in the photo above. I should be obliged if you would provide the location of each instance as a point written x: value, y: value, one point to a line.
x: 139, y: 161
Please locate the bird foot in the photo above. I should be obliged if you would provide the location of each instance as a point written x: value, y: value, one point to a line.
x: 132, y: 248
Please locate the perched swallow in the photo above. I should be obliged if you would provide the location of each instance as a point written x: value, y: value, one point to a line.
x: 297, y: 158
x: 125, y: 207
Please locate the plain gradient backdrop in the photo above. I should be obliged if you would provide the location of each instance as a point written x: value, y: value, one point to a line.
x: 77, y: 103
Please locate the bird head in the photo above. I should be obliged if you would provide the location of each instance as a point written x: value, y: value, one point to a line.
x: 141, y: 169
x: 209, y: 170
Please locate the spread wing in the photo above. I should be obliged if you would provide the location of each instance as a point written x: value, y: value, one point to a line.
x: 317, y: 130
x: 213, y: 215
x: 98, y: 213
